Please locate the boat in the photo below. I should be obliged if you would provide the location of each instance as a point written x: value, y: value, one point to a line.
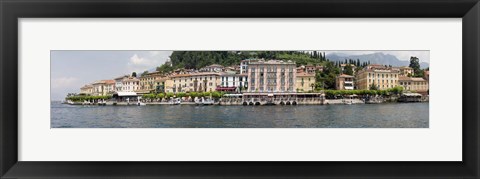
x: 348, y: 102
x: 176, y: 101
x: 207, y: 101
x: 203, y: 101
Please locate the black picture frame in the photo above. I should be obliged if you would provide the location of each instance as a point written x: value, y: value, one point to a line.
x: 11, y: 10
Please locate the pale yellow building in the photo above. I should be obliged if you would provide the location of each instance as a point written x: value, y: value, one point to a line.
x: 380, y: 76
x: 87, y: 89
x: 195, y: 82
x: 304, y: 82
x: 413, y: 84
x: 406, y: 71
x: 103, y: 87
x: 147, y: 81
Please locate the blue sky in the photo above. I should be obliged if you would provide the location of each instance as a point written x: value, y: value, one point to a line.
x: 70, y: 70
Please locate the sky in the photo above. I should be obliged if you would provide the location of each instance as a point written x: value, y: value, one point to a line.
x: 70, y: 70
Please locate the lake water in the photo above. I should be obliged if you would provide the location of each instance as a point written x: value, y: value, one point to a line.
x: 391, y: 115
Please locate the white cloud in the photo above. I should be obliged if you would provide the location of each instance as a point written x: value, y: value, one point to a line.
x: 152, y: 59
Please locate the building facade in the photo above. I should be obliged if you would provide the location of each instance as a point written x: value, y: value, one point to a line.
x: 195, y: 82
x: 119, y: 83
x: 344, y: 82
x: 377, y: 75
x: 406, y: 71
x: 147, y: 81
x: 87, y: 89
x: 233, y: 82
x: 305, y: 82
x: 413, y: 84
x: 271, y: 76
x: 130, y: 84
x: 103, y: 87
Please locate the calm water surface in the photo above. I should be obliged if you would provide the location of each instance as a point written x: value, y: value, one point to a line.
x: 393, y: 115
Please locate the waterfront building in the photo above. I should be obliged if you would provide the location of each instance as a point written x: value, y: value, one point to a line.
x: 103, y: 87
x: 109, y: 87
x: 271, y: 76
x: 168, y: 85
x: 344, y: 82
x: 418, y: 85
x: 230, y: 81
x: 212, y: 68
x: 244, y: 65
x: 159, y: 85
x: 130, y: 84
x: 195, y: 82
x: 87, y: 89
x: 406, y: 71
x: 147, y: 81
x: 378, y: 75
x: 119, y: 83
x: 305, y: 82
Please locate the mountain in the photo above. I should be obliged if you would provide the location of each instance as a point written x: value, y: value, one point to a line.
x: 374, y: 58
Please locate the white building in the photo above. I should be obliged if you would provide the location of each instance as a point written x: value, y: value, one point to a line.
x: 233, y: 82
x: 130, y: 84
x: 119, y: 83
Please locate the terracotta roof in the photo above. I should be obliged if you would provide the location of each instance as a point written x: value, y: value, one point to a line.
x: 302, y: 74
x: 345, y: 76
x: 403, y: 78
x: 109, y: 81
x: 131, y: 79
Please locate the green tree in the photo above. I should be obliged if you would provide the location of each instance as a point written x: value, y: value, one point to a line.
x: 415, y: 64
x: 373, y: 86
x: 144, y: 73
x: 134, y: 74
x: 348, y: 70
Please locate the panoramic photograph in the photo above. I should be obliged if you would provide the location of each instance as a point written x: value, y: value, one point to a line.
x: 239, y: 89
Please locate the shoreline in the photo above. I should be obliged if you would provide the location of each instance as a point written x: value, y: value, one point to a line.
x: 249, y: 103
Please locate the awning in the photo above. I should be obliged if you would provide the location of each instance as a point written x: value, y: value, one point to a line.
x: 225, y: 88
x: 125, y: 94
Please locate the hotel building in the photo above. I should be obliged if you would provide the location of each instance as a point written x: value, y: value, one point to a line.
x: 271, y: 76
x: 380, y: 76
x: 229, y: 81
x: 344, y: 82
x: 103, y: 87
x: 304, y: 82
x: 195, y: 82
